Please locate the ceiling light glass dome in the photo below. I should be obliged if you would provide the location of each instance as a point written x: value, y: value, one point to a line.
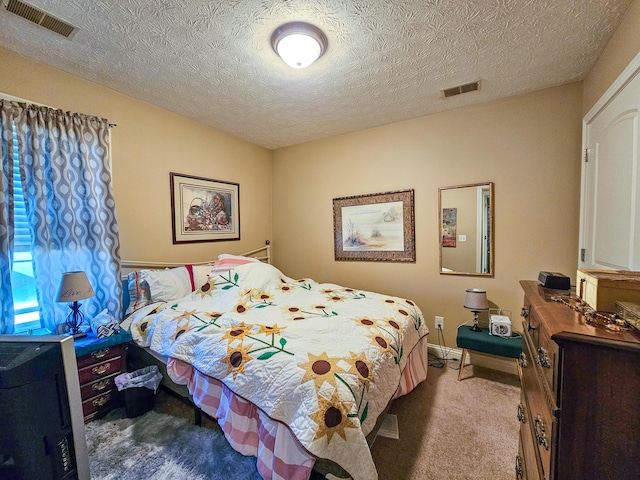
x: 299, y: 44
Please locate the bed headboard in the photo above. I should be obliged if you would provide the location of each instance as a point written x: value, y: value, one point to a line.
x: 262, y: 253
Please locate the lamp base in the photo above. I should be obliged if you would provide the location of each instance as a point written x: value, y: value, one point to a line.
x: 475, y: 328
x: 74, y: 320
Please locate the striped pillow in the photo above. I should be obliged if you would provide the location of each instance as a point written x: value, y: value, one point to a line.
x: 226, y: 262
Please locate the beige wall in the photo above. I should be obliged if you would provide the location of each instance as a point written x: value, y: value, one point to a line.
x: 623, y: 47
x: 528, y: 145
x: 147, y: 144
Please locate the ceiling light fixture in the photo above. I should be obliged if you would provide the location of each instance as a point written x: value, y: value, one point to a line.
x: 299, y: 44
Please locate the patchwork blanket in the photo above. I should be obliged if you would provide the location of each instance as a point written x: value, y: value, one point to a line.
x: 322, y: 359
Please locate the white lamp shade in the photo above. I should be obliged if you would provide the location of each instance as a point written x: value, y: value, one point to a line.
x: 476, y: 299
x: 74, y: 286
x: 299, y: 44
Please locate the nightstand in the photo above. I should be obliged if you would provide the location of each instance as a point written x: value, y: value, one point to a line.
x: 100, y: 360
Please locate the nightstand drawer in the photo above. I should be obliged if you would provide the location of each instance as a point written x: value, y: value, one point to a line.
x: 100, y: 355
x: 102, y: 369
x: 100, y: 404
x: 98, y: 386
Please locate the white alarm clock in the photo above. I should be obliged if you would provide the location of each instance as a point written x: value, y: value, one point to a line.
x: 500, y: 325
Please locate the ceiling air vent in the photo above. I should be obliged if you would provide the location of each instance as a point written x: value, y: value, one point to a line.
x: 41, y: 18
x: 467, y: 87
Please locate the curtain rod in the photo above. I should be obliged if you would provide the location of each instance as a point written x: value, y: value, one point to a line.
x: 6, y: 96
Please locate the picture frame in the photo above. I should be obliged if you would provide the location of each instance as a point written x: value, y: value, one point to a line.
x: 449, y: 226
x: 204, y: 209
x: 377, y: 227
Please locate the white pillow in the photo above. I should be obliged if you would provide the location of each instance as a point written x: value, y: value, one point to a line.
x: 167, y: 285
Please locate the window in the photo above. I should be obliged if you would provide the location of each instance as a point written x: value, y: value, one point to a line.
x: 27, y: 316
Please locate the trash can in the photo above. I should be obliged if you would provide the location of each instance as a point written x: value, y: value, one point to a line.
x: 139, y: 389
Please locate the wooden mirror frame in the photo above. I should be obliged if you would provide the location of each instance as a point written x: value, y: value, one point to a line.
x: 491, y: 230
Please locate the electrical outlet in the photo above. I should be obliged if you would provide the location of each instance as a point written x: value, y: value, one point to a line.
x: 439, y: 322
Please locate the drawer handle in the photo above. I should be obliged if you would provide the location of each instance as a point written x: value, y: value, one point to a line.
x: 543, y: 358
x: 519, y: 469
x: 100, y: 353
x: 524, y: 313
x: 523, y: 360
x: 521, y: 416
x: 541, y: 436
x: 100, y: 369
x: 101, y: 400
x: 101, y: 385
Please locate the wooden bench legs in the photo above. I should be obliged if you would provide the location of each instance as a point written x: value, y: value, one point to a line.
x: 462, y: 359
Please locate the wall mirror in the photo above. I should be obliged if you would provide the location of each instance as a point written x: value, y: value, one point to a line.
x: 466, y: 229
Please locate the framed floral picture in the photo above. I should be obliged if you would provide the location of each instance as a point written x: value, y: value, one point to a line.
x: 375, y: 227
x: 449, y: 226
x: 204, y: 210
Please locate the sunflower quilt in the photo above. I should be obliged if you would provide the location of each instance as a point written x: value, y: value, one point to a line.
x: 323, y: 359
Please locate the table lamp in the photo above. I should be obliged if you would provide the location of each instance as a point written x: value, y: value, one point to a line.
x: 75, y: 286
x: 475, y: 300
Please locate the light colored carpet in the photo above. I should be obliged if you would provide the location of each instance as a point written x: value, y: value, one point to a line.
x: 466, y: 430
x: 449, y: 430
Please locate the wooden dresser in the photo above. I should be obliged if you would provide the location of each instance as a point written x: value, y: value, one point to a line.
x: 580, y: 405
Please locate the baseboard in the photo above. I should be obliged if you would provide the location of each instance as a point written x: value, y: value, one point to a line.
x: 502, y: 364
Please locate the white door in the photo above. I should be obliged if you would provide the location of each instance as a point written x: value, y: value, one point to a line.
x: 610, y: 203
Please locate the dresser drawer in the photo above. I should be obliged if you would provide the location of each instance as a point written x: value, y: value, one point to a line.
x: 546, y: 356
x: 540, y: 420
x: 99, y: 370
x: 527, y: 448
x: 101, y: 355
x: 544, y: 351
x: 521, y: 471
x: 531, y: 322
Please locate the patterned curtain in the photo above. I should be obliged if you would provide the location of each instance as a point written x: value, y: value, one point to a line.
x: 66, y: 173
x: 6, y: 223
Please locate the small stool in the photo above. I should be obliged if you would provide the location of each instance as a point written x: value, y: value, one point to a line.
x: 510, y: 347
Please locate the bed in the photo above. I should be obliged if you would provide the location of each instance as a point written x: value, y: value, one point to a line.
x: 297, y: 373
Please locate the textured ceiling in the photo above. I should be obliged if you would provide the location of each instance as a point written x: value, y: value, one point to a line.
x: 387, y: 59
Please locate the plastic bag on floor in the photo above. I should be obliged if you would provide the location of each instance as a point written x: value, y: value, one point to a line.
x: 149, y: 377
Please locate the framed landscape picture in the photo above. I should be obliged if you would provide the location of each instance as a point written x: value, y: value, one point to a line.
x: 204, y: 210
x: 375, y: 227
